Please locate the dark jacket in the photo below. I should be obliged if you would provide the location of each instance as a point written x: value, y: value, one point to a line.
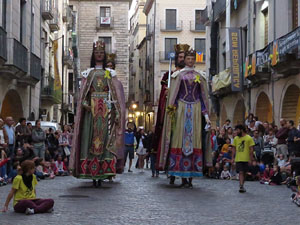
x: 282, y: 135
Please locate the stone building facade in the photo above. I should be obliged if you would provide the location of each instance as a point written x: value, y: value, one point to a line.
x: 270, y: 40
x: 106, y: 21
x: 20, y: 58
x: 171, y: 22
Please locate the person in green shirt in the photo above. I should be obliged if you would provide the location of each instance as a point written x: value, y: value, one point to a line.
x: 24, y: 193
x: 242, y: 153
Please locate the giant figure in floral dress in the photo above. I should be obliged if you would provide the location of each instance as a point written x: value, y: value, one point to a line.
x: 98, y: 142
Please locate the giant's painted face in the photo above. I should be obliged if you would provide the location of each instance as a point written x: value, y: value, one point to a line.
x: 190, y: 61
x: 99, y: 55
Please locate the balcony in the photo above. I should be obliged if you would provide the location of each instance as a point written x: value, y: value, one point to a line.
x: 67, y: 13
x: 47, y: 11
x: 285, y: 54
x: 35, y: 68
x: 171, y: 26
x: 258, y: 66
x: 16, y: 65
x: 104, y: 23
x: 219, y: 9
x: 68, y: 58
x: 54, y: 23
x: 47, y: 93
x: 3, y: 49
x: 197, y: 27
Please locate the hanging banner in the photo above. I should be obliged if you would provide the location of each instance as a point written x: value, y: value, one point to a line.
x: 235, y: 58
x: 57, y: 83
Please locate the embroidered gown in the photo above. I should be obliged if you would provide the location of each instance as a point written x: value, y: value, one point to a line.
x: 98, y: 137
x: 186, y: 155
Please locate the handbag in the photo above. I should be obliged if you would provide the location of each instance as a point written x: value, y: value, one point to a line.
x: 67, y: 151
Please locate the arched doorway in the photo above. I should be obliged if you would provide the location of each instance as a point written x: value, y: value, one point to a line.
x: 239, y: 113
x: 264, y: 110
x: 291, y: 104
x: 12, y: 105
x: 223, y: 116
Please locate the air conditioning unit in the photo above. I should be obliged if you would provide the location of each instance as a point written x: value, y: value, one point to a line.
x: 105, y: 20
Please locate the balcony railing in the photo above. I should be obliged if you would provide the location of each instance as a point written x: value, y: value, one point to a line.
x: 3, y: 48
x: 35, y: 67
x: 19, y: 56
x: 68, y: 58
x: 173, y: 26
x: 149, y: 31
x: 47, y: 10
x: 48, y: 93
x: 219, y: 9
x: 196, y: 27
x: 104, y: 23
x: 54, y: 23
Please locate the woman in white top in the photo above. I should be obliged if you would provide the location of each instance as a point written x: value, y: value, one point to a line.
x: 141, y: 151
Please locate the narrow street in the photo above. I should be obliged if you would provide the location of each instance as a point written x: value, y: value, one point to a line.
x: 139, y: 199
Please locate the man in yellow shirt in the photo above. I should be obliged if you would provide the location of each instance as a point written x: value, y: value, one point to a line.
x: 242, y: 153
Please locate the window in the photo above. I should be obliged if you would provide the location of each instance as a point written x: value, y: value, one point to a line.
x: 32, y: 33
x: 22, y: 20
x: 71, y: 83
x: 104, y: 11
x: 107, y: 41
x: 170, y: 19
x: 295, y: 14
x: 3, y: 24
x: 198, y: 22
x: 200, y: 47
x: 169, y: 46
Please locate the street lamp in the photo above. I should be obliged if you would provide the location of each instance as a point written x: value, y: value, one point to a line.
x: 137, y: 113
x: 134, y: 106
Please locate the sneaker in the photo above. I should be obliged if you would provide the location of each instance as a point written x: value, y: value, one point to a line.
x: 172, y: 180
x: 29, y: 211
x: 242, y: 189
x: 190, y: 186
x: 129, y: 171
x: 50, y: 210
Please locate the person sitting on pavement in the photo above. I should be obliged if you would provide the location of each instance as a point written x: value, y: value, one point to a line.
x: 296, y: 196
x: 225, y: 175
x: 24, y: 193
x: 268, y: 173
x: 254, y: 172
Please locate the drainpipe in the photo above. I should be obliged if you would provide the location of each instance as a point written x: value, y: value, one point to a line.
x: 249, y: 50
x: 154, y: 33
x: 272, y: 70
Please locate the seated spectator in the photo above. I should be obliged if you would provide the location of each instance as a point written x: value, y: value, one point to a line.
x: 217, y: 171
x: 234, y: 174
x: 59, y: 164
x: 24, y: 193
x: 3, y: 161
x: 276, y: 179
x: 225, y: 175
x: 296, y: 196
x: 268, y: 173
x: 225, y: 146
x: 39, y: 169
x: 281, y: 160
x: 47, y: 169
x: 254, y: 172
x: 227, y: 157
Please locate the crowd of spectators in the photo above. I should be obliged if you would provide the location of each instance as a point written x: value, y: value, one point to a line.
x: 275, y: 149
x: 48, y: 148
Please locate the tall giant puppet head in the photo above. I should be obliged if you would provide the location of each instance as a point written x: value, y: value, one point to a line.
x: 99, y: 55
x: 180, y: 51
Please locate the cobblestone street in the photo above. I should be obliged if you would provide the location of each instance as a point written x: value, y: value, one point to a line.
x: 139, y: 199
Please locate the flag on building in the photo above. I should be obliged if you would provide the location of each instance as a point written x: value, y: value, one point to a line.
x: 199, y: 56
